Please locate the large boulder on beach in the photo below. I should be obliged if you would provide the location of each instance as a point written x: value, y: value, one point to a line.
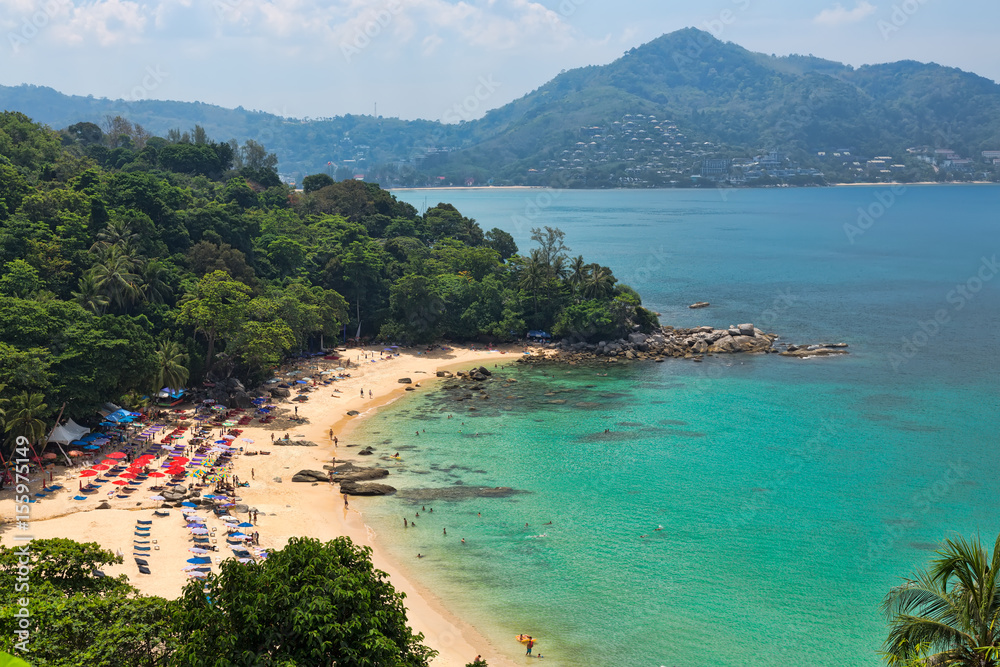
x: 295, y: 443
x: 483, y: 371
x: 355, y: 489
x: 445, y: 374
x: 310, y: 476
x: 637, y: 338
x: 404, y: 381
x: 278, y: 392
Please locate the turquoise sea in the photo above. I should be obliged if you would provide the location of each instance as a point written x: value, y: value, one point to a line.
x: 792, y: 494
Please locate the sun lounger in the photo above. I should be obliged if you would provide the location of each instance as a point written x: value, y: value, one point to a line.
x: 161, y: 513
x: 137, y: 534
x: 141, y: 561
x: 140, y: 541
x: 137, y: 548
x: 144, y: 570
x: 143, y: 522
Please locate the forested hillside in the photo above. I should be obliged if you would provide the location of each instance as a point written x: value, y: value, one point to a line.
x: 709, y: 99
x: 130, y: 262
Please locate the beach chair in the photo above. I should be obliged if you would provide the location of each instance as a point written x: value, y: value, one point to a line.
x: 144, y: 522
x: 140, y: 541
x: 158, y: 513
x: 138, y: 548
x: 144, y: 570
x: 138, y: 534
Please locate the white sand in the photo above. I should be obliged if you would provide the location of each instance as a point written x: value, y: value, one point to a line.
x: 286, y: 509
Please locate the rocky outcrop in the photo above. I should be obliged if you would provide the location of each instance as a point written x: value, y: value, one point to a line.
x: 700, y: 304
x: 445, y: 374
x: 355, y: 489
x: 229, y: 392
x: 295, y: 443
x: 279, y: 392
x: 404, y: 381
x: 458, y: 493
x: 693, y: 343
x: 310, y: 476
x: 807, y: 351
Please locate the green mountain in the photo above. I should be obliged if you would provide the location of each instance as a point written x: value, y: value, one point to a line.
x: 652, y: 117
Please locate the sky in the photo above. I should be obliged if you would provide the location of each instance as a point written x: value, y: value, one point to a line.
x: 436, y: 59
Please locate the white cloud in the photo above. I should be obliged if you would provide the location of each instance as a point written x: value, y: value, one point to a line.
x: 838, y: 15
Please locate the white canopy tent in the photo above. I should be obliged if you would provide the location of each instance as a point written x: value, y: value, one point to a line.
x: 68, y: 432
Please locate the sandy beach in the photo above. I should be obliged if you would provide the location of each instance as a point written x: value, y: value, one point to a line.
x: 286, y: 509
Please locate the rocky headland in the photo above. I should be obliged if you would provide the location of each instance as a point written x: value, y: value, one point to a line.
x: 694, y: 344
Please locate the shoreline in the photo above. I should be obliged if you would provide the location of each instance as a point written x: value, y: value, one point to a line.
x: 886, y: 184
x: 289, y: 509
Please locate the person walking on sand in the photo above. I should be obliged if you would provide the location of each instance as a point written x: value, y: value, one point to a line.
x: 345, y: 501
x: 369, y: 393
x: 335, y: 441
x: 362, y: 392
x: 251, y: 473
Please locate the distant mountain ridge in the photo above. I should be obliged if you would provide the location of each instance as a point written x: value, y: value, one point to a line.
x: 710, y: 91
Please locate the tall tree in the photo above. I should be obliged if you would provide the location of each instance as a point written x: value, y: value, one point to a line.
x: 307, y: 604
x: 216, y: 308
x: 171, y: 366
x: 24, y: 417
x: 949, y: 613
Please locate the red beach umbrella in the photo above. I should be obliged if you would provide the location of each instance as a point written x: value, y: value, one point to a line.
x: 156, y: 474
x: 109, y: 462
x: 116, y: 455
x: 88, y: 473
x: 128, y: 475
x: 120, y: 482
x: 100, y: 467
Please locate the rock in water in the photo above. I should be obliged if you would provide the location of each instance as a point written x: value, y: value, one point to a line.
x: 700, y: 304
x: 355, y: 489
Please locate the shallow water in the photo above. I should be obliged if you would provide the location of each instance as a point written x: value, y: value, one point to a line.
x: 792, y: 494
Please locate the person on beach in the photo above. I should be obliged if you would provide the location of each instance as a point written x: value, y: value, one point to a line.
x: 335, y: 441
x: 420, y: 555
x: 531, y: 642
x: 445, y: 531
x: 463, y: 540
x: 362, y: 392
x: 252, y: 473
x: 369, y: 393
x: 406, y: 523
x: 345, y: 501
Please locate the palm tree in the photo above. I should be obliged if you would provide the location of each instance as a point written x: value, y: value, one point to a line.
x: 116, y: 278
x: 950, y: 610
x: 577, y: 272
x: 154, y: 285
x: 533, y: 276
x: 600, y: 282
x: 171, y: 369
x: 90, y: 295
x: 24, y: 417
x: 117, y: 233
x: 559, y: 268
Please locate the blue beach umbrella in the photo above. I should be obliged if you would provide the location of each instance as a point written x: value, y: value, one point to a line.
x: 199, y: 561
x: 244, y: 525
x: 187, y: 504
x: 237, y: 534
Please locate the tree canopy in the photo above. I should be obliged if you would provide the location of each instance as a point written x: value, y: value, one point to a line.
x: 129, y: 262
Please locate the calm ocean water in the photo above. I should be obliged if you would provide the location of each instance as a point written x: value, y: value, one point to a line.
x: 791, y: 494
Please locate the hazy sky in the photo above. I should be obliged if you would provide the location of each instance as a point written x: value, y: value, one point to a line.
x: 421, y: 58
